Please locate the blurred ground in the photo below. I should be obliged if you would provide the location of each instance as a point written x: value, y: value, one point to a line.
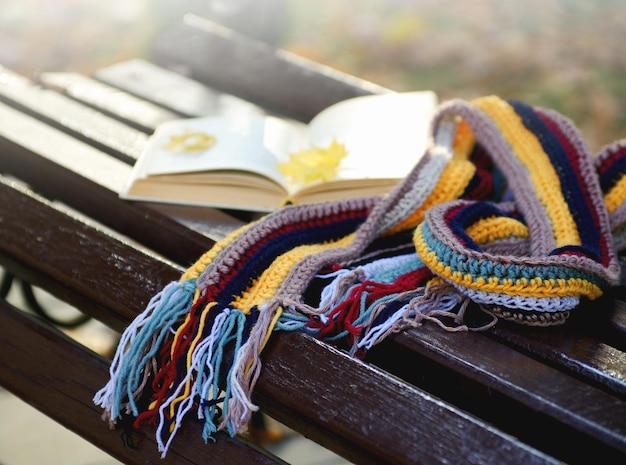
x: 562, y: 54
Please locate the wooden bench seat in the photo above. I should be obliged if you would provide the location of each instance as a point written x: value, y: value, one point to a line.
x: 511, y: 395
x: 109, y: 280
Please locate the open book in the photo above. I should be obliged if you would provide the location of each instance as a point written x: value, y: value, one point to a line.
x: 357, y: 147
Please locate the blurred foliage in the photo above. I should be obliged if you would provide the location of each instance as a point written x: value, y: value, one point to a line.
x: 561, y: 54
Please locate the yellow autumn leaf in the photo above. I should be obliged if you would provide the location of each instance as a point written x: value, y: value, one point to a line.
x: 190, y: 141
x: 314, y: 164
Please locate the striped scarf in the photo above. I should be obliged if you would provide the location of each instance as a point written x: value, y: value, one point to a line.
x: 506, y: 215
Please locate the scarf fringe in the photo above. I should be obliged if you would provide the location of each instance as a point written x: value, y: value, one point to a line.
x: 136, y: 354
x: 247, y: 368
x: 361, y: 312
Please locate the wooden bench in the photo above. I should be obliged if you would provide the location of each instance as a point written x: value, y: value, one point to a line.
x: 509, y: 396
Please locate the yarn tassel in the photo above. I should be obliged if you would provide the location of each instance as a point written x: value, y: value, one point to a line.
x: 203, y: 385
x: 136, y: 357
x: 181, y: 401
x: 246, y: 369
x: 362, y: 313
x: 414, y: 307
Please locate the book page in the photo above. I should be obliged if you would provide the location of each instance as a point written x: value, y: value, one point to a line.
x: 251, y: 143
x: 385, y: 135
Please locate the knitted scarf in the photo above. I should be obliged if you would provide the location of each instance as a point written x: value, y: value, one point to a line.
x: 506, y: 212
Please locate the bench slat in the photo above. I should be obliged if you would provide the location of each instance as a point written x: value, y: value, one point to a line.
x: 137, y: 112
x: 498, y: 383
x: 367, y: 406
x: 575, y: 350
x: 274, y: 79
x: 89, y: 268
x: 173, y: 91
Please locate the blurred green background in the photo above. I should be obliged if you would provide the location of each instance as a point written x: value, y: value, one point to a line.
x: 562, y: 54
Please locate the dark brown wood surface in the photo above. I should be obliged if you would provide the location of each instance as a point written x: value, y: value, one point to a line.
x: 499, y: 383
x: 305, y: 383
x: 580, y: 347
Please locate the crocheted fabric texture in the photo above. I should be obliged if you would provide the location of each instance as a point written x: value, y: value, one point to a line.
x: 505, y: 213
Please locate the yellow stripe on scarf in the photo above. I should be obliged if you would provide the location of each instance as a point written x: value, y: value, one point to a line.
x: 542, y: 174
x: 496, y: 227
x: 616, y: 195
x: 451, y: 185
x: 266, y: 286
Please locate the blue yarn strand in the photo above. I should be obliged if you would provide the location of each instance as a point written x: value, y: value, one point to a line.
x: 175, y: 301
